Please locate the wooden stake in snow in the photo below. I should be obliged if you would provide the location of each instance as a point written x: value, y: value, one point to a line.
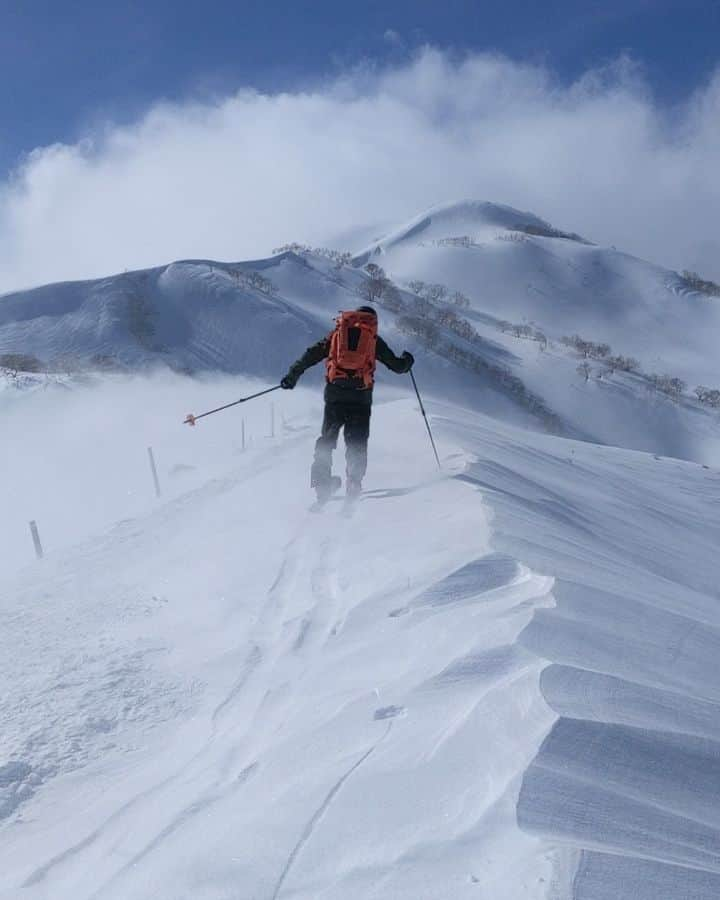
x: 36, y: 539
x: 153, y: 469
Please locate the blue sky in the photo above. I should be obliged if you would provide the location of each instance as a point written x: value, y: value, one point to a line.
x: 365, y: 114
x: 65, y: 66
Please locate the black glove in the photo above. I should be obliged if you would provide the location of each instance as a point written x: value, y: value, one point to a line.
x: 409, y: 360
x: 288, y: 382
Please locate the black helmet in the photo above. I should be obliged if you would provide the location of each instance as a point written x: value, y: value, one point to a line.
x: 367, y: 309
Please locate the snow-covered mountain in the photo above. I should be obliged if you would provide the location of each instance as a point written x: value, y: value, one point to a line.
x: 495, y: 681
x: 513, y: 265
x: 253, y: 317
x: 479, y: 221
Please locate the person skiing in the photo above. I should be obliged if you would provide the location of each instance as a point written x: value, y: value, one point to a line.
x: 350, y: 353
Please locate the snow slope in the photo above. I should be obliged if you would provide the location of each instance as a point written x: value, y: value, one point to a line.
x: 233, y: 696
x: 202, y: 316
x: 565, y: 286
x: 498, y: 682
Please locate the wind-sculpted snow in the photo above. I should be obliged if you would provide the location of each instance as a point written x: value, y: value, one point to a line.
x: 606, y: 698
x: 471, y: 583
x: 269, y: 727
x: 630, y: 772
x: 607, y: 877
x: 630, y: 791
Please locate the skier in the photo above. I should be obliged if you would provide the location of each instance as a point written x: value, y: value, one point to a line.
x: 350, y: 352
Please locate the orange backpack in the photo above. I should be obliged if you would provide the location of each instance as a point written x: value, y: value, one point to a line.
x: 352, y: 348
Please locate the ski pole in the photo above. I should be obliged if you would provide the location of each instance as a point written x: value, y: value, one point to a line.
x: 191, y: 419
x: 424, y: 415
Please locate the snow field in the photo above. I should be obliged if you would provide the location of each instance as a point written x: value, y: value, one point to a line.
x: 322, y: 707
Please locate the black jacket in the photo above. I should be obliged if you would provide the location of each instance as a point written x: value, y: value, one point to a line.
x: 351, y: 391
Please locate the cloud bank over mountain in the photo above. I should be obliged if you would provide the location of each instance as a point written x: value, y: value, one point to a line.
x: 234, y: 178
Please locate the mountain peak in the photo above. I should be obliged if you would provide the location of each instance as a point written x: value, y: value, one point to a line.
x: 470, y: 218
x: 483, y: 212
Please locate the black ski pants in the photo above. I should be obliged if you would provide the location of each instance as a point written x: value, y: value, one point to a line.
x: 355, y: 419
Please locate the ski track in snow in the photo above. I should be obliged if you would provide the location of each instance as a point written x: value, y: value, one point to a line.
x: 317, y: 816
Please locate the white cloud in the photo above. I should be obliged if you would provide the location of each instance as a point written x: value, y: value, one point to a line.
x: 393, y: 38
x: 233, y: 179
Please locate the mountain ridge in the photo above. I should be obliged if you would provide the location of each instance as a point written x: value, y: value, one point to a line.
x: 254, y: 317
